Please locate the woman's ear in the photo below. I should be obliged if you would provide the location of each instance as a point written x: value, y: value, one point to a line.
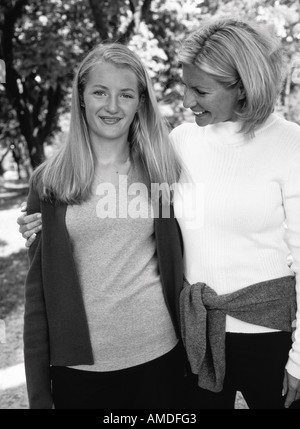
x: 241, y: 92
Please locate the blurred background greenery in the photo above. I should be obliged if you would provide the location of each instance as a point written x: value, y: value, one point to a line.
x: 42, y: 42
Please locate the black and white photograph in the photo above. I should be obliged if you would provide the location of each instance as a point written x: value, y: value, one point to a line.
x: 149, y: 207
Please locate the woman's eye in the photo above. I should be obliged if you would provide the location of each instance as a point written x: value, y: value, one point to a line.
x: 126, y: 95
x: 200, y: 92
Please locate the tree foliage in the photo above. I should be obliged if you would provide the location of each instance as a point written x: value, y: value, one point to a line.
x: 42, y: 42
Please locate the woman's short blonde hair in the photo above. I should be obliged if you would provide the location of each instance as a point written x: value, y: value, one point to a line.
x: 237, y: 52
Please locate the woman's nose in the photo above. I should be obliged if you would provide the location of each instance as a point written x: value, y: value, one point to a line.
x: 189, y: 99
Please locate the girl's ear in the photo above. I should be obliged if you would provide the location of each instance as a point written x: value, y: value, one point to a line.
x: 142, y: 100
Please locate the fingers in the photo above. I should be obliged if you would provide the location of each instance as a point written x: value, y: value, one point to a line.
x: 30, y: 240
x: 293, y: 389
x: 29, y: 224
x: 27, y: 219
x: 24, y: 207
x: 31, y: 228
x: 20, y: 219
x: 290, y: 398
x: 285, y: 384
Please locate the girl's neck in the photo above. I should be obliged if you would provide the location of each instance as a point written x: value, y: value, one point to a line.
x: 111, y: 153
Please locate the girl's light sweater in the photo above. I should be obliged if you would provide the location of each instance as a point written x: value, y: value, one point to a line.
x: 238, y: 206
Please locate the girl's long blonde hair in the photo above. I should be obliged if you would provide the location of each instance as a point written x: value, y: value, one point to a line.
x: 67, y: 176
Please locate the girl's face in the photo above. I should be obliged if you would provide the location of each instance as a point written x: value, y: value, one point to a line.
x: 111, y: 100
x: 209, y: 100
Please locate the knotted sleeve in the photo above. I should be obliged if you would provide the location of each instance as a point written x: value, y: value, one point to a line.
x: 203, y: 321
x: 203, y: 334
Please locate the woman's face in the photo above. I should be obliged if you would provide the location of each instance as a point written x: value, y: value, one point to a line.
x: 209, y: 100
x: 111, y: 100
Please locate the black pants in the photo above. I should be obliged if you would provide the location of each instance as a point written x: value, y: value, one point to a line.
x: 155, y: 384
x: 255, y: 367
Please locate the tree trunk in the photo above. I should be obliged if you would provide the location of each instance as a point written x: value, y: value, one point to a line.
x: 2, y: 171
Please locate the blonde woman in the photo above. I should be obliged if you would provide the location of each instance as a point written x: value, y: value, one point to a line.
x: 101, y: 311
x: 242, y: 292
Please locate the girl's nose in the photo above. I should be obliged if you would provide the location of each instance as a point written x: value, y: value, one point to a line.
x: 112, y: 104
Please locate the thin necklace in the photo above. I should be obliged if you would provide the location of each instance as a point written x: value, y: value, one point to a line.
x: 128, y: 169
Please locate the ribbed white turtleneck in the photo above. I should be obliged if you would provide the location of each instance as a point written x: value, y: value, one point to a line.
x: 246, y: 220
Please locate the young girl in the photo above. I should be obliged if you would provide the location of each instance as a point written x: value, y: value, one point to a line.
x: 105, y: 274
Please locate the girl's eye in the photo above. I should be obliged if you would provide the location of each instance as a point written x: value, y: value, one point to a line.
x: 98, y: 92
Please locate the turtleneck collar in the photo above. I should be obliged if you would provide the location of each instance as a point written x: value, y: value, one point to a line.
x: 227, y: 133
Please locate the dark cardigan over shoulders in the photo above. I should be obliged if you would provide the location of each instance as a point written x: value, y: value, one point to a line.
x: 55, y: 324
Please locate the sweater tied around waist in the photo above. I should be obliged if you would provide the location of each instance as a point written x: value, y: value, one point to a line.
x: 271, y: 304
